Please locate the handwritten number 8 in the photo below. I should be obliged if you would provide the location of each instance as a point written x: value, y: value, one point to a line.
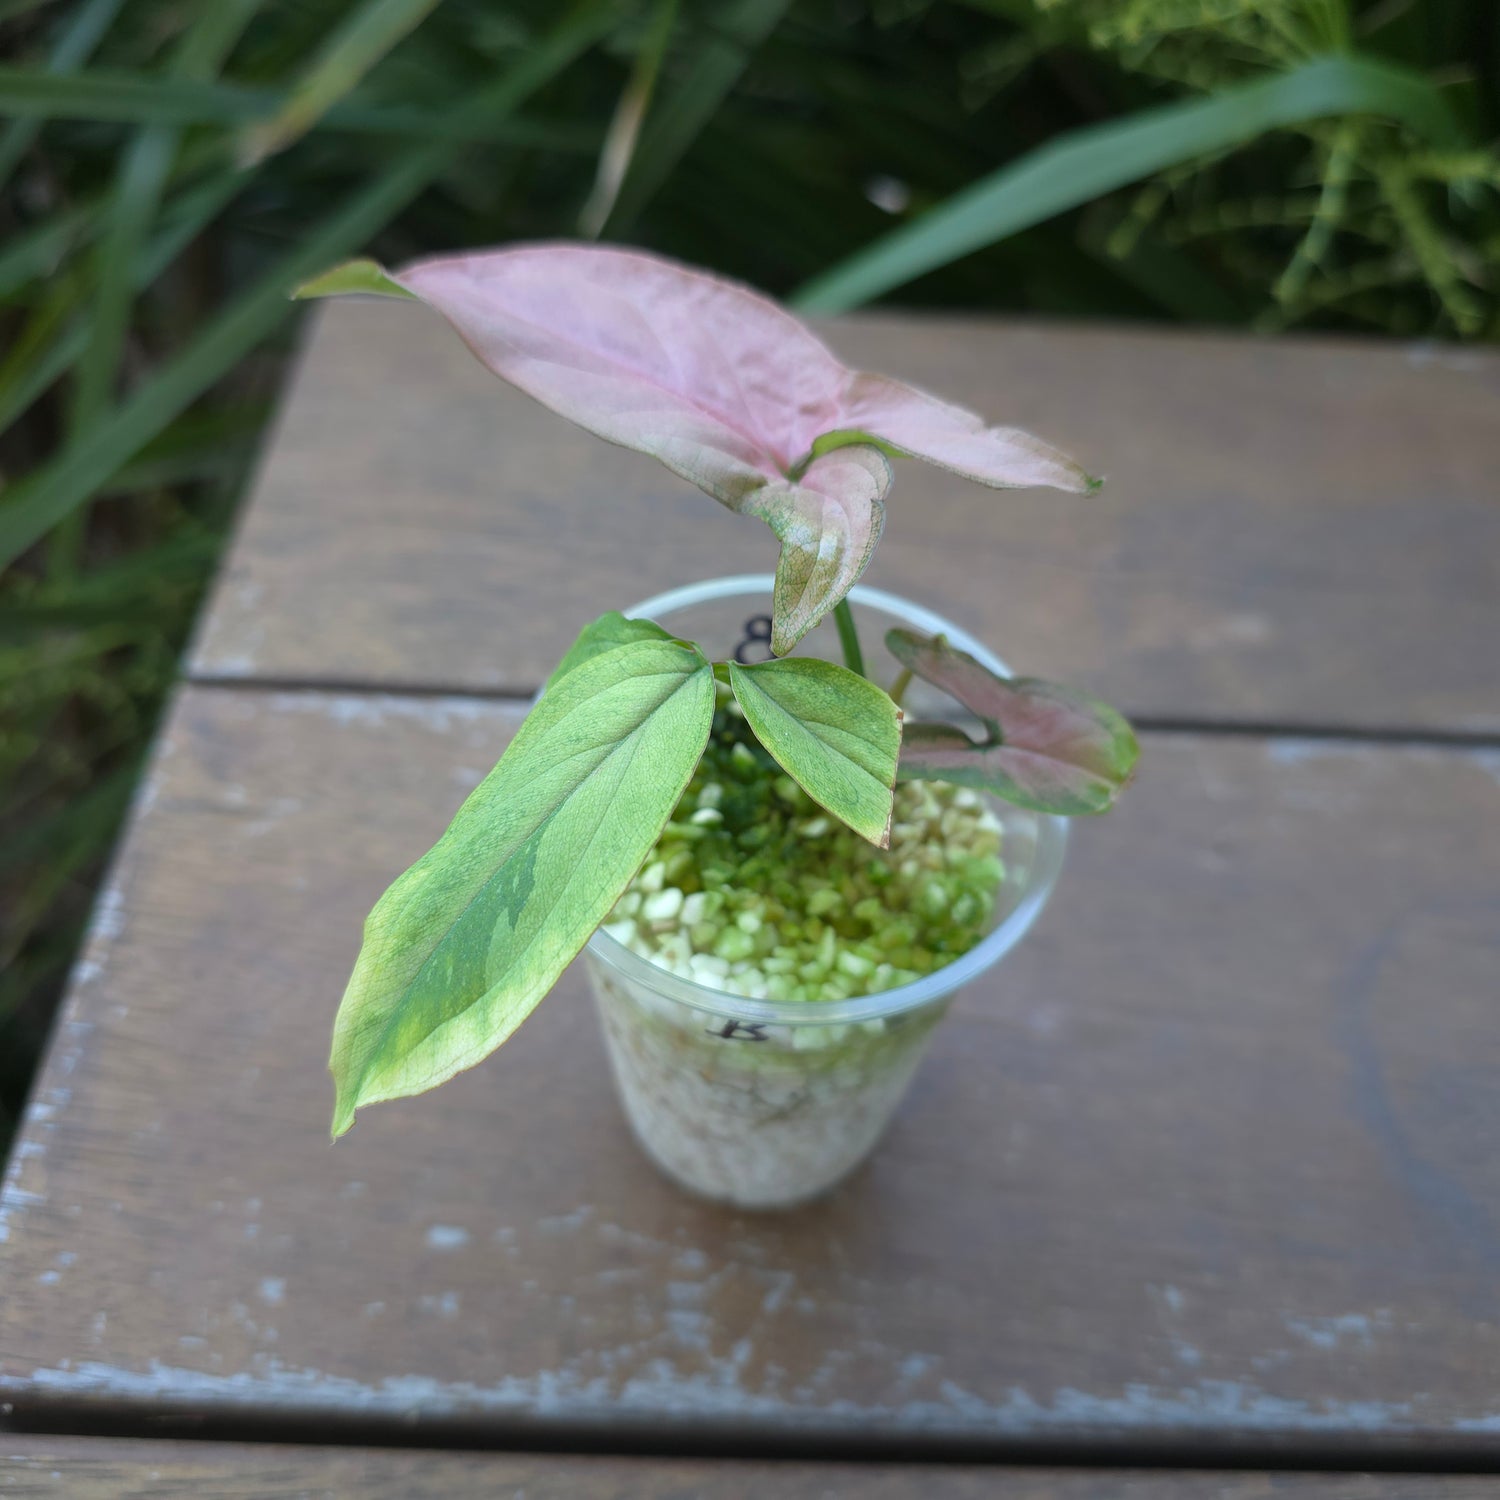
x: 757, y: 632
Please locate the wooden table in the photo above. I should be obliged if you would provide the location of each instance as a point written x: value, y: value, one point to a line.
x: 1206, y: 1172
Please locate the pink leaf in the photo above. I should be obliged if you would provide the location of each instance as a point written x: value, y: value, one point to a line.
x: 1049, y: 748
x: 719, y: 383
x: 952, y: 438
x: 723, y: 386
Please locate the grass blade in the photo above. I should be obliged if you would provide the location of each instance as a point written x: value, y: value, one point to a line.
x: 713, y: 73
x: 30, y: 508
x: 365, y: 35
x: 75, y: 46
x: 40, y: 356
x: 102, y: 96
x: 1083, y: 164
x: 38, y: 251
x: 87, y: 819
x: 24, y: 379
x: 140, y: 180
x: 41, y: 249
x: 624, y: 129
x: 138, y: 186
x: 127, y: 98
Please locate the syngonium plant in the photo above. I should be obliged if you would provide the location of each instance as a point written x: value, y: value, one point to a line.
x: 733, y: 393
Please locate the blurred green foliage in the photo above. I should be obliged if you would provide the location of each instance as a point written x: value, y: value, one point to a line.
x: 169, y: 168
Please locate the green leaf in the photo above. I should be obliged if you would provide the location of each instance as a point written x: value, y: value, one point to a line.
x: 1080, y: 165
x: 1048, y: 747
x: 462, y: 947
x: 604, y: 634
x: 834, y: 733
x: 353, y: 276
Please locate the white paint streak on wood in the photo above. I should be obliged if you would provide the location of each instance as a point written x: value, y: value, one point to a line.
x: 659, y: 1390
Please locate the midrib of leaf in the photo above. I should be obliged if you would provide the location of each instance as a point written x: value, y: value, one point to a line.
x: 1020, y: 753
x: 614, y: 744
x: 533, y: 833
x: 621, y: 771
x: 840, y: 730
x: 794, y: 719
x: 598, y: 757
x: 656, y: 385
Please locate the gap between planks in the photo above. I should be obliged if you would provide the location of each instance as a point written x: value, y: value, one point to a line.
x: 1395, y: 735
x: 1371, y: 1453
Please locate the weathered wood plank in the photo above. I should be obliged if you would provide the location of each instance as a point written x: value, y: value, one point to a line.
x: 105, y: 1469
x: 1209, y: 1162
x: 1293, y: 531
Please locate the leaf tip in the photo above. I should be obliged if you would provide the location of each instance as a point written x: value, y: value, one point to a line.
x: 351, y: 276
x: 901, y: 643
x: 784, y: 635
x: 345, y: 1102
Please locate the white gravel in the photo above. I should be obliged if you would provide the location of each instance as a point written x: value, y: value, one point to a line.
x: 766, y: 1116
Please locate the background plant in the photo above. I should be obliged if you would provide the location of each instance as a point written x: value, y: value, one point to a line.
x: 169, y: 170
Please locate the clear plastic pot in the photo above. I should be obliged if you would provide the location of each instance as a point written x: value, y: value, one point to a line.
x: 766, y: 1104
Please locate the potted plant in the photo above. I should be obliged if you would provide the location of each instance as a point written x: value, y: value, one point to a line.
x: 782, y: 865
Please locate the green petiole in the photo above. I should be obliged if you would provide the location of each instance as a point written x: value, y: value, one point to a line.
x: 843, y: 617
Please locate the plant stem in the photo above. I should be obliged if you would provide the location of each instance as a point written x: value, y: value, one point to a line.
x: 900, y: 685
x: 843, y: 617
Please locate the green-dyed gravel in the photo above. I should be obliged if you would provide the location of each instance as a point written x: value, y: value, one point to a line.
x: 754, y: 889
